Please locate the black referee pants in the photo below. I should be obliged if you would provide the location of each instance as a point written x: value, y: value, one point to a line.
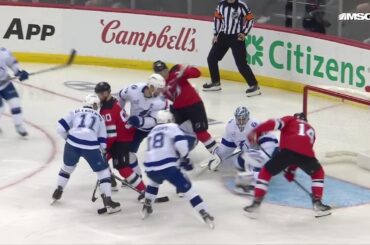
x: 218, y: 51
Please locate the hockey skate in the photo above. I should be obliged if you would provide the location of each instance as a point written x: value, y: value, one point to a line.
x: 321, y: 209
x: 147, y: 209
x: 210, y: 86
x: 141, y: 197
x: 252, y: 210
x: 207, y: 218
x: 57, y: 195
x: 244, y: 190
x: 21, y: 130
x: 253, y: 91
x: 111, y: 206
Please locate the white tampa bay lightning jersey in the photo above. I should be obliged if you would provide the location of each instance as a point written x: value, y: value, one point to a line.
x: 146, y: 108
x: 84, y: 128
x: 7, y: 61
x: 234, y: 138
x: 166, y: 143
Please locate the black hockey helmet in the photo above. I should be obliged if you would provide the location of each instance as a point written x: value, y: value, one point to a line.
x: 300, y: 115
x: 102, y: 87
x: 159, y: 66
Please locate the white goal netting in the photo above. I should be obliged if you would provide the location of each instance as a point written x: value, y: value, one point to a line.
x: 341, y: 118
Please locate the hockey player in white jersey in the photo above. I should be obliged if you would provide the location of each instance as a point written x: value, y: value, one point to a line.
x: 145, y: 99
x: 167, y: 146
x: 249, y: 160
x: 8, y: 92
x: 85, y: 134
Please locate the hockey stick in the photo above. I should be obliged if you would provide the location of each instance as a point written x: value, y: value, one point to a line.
x: 205, y: 164
x: 93, y: 197
x: 58, y: 67
x: 124, y: 182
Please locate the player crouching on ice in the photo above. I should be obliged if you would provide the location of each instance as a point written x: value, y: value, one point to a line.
x: 296, y: 142
x: 85, y: 134
x: 167, y: 145
x: 249, y: 160
x: 8, y: 91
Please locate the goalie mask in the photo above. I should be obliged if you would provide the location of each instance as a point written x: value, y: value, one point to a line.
x: 241, y: 117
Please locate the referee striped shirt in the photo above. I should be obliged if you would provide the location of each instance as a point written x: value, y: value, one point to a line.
x: 232, y: 18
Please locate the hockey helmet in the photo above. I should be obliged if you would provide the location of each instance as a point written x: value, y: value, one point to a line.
x: 159, y: 66
x: 91, y: 101
x: 164, y: 116
x: 241, y: 117
x: 301, y: 116
x: 157, y: 81
x: 102, y: 87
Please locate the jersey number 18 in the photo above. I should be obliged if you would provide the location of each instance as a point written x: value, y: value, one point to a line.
x: 156, y: 141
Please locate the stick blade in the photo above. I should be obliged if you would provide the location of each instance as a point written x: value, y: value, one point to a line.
x: 72, y: 56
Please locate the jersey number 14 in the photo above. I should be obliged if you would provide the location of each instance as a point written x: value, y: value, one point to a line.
x: 309, y: 132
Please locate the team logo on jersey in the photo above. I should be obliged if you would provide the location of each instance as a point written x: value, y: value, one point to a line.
x: 235, y: 15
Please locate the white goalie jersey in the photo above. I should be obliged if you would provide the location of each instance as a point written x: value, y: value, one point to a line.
x: 146, y: 108
x: 236, y: 138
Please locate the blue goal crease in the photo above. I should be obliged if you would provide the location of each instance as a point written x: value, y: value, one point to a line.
x: 337, y: 192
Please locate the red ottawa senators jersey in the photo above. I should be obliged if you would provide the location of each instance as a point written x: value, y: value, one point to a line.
x: 181, y: 92
x: 115, y: 121
x: 296, y: 135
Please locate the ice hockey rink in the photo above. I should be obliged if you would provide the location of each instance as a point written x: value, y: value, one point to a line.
x: 29, y: 169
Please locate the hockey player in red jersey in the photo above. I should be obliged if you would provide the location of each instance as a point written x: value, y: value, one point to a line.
x: 119, y: 137
x: 296, y: 150
x: 187, y: 104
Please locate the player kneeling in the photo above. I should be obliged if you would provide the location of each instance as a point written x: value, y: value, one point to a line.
x: 85, y: 134
x: 296, y: 142
x: 249, y: 161
x: 167, y: 145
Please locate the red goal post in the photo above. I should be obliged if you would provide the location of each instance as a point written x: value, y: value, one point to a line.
x: 330, y: 94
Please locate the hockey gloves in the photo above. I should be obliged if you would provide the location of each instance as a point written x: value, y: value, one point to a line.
x: 134, y: 121
x: 289, y: 173
x: 22, y: 75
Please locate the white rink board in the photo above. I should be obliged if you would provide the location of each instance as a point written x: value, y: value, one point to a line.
x: 179, y: 40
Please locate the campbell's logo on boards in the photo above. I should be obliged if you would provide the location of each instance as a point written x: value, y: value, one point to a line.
x: 167, y: 38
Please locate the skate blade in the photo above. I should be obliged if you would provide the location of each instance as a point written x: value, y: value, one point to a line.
x: 113, y: 210
x: 53, y: 202
x: 211, y: 89
x: 144, y: 215
x: 210, y: 223
x: 252, y: 215
x: 322, y: 214
x: 256, y: 93
x: 115, y: 189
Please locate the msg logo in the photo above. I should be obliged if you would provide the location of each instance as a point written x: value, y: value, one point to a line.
x: 354, y: 16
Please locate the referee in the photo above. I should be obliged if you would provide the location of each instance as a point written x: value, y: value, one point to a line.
x: 232, y: 22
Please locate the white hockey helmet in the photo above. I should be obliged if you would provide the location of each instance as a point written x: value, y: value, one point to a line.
x: 91, y: 101
x: 157, y: 81
x: 241, y: 117
x: 164, y: 116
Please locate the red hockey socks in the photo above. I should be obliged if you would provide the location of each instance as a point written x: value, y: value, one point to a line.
x: 262, y: 184
x: 318, y: 183
x: 207, y: 140
x: 132, y: 178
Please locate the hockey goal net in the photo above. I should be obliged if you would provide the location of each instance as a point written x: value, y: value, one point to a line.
x: 341, y: 118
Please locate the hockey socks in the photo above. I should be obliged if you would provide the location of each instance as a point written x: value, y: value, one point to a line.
x: 262, y: 184
x: 318, y: 184
x: 64, y: 175
x: 132, y: 178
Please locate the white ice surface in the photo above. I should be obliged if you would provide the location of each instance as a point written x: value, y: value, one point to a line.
x: 27, y: 217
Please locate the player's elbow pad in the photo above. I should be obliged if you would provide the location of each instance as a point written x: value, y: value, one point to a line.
x: 182, y: 147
